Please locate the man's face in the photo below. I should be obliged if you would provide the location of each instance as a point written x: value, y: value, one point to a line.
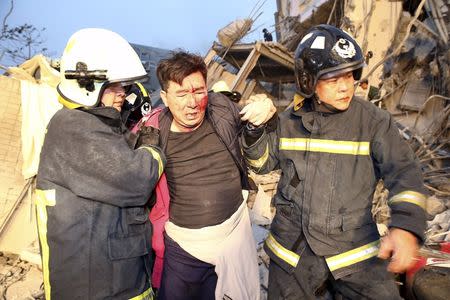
x: 114, y: 96
x: 337, y: 91
x: 187, y: 102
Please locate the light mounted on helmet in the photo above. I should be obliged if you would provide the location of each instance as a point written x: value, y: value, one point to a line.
x: 85, y: 77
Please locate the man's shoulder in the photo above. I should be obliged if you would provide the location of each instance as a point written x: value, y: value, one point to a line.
x: 66, y: 115
x: 368, y: 109
x: 220, y: 100
x: 70, y: 122
x: 220, y: 105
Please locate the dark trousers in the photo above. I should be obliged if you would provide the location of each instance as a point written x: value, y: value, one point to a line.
x: 184, y: 276
x: 313, y: 280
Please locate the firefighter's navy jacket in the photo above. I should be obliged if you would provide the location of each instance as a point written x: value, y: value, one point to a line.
x: 92, y: 189
x: 331, y: 163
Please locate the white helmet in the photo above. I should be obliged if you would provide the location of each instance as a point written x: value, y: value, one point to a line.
x: 92, y: 59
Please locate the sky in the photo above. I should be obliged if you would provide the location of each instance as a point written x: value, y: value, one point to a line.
x: 169, y: 24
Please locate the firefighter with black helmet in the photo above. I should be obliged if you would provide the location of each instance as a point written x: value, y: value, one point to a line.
x: 332, y: 149
x: 92, y: 187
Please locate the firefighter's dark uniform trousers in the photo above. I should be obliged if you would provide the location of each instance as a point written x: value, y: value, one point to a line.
x: 323, y: 230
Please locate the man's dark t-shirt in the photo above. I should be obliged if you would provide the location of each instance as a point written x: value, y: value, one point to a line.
x: 204, y: 181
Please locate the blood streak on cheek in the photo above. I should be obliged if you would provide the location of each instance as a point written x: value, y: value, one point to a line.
x: 203, y: 103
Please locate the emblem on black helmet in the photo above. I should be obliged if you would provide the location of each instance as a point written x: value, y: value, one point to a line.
x: 344, y: 48
x: 145, y: 108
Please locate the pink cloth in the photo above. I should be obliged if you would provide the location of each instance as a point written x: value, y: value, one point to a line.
x: 159, y: 214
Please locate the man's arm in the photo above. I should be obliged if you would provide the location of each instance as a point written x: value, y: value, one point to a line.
x: 259, y: 138
x: 395, y: 163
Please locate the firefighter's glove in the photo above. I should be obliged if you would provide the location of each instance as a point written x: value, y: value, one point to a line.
x: 258, y: 110
x: 148, y: 136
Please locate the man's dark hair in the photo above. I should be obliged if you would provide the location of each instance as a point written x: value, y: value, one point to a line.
x: 178, y: 66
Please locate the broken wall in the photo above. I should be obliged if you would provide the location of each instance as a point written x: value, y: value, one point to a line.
x: 374, y: 26
x: 14, y: 236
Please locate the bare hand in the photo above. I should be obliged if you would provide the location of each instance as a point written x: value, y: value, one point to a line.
x: 259, y: 110
x: 402, y: 247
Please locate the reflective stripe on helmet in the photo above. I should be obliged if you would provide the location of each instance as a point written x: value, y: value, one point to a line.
x: 142, y: 89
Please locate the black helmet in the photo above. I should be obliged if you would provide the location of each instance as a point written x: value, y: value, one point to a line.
x: 136, y: 105
x: 324, y: 52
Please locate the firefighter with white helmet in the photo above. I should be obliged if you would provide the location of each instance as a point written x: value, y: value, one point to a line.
x: 93, y: 184
x: 332, y: 149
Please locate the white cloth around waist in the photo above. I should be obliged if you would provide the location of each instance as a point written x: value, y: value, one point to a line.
x: 231, y: 247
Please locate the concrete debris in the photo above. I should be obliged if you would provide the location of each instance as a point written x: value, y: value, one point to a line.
x: 262, y: 213
x: 435, y: 206
x: 234, y: 31
x: 19, y: 279
x: 438, y: 228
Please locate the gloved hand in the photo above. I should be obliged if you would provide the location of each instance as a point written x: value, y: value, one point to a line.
x: 259, y: 110
x: 148, y: 136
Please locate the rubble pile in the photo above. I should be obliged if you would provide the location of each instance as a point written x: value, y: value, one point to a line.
x: 417, y: 81
x: 439, y: 220
x: 19, y: 279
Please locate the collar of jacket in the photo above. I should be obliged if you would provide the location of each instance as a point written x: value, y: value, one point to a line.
x: 323, y: 107
x: 312, y: 105
x: 312, y: 108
